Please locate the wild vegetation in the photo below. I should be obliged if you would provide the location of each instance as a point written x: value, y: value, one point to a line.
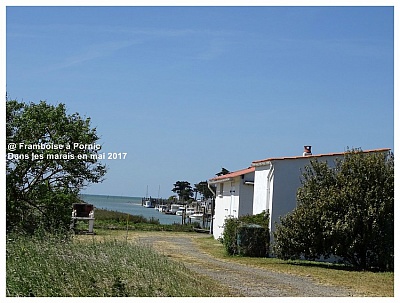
x: 107, y: 219
x: 51, y: 156
x: 54, y: 266
x: 346, y: 211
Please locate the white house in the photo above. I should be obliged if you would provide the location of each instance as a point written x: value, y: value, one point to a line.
x: 268, y: 185
x: 277, y: 180
x: 234, y: 197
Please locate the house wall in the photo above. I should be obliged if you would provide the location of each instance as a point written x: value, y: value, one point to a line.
x: 277, y: 193
x: 260, y: 189
x: 237, y: 200
x: 226, y: 205
x: 246, y: 194
x: 287, y: 180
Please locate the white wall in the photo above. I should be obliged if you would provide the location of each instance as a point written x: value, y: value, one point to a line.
x: 260, y: 189
x: 222, y: 203
x: 232, y: 204
x: 277, y: 193
x: 287, y: 176
x: 246, y: 194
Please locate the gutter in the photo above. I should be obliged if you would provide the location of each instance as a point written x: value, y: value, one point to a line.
x: 219, y: 181
x: 212, y: 207
x: 209, y: 187
x: 271, y: 170
x: 270, y: 173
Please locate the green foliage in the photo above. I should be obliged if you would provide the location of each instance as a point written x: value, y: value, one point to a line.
x: 230, y: 235
x: 252, y: 241
x: 106, y: 219
x: 183, y: 189
x: 116, y: 216
x: 202, y: 188
x: 223, y: 171
x: 56, y: 267
x: 346, y: 211
x: 41, y: 182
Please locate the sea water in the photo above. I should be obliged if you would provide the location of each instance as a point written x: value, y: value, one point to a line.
x: 129, y: 205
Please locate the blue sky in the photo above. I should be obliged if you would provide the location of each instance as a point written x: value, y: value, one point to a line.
x: 186, y: 91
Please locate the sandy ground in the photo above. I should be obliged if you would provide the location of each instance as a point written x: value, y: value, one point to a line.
x: 242, y: 280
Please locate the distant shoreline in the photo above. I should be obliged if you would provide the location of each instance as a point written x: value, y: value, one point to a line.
x: 111, y: 196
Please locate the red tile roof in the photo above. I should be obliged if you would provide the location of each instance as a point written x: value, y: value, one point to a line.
x: 233, y: 174
x: 261, y: 162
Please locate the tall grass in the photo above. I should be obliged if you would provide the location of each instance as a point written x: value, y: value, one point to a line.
x: 108, y: 219
x: 112, y: 215
x: 53, y: 267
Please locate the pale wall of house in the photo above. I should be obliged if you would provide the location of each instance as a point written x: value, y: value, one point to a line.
x: 287, y: 175
x: 260, y: 189
x: 287, y: 180
x: 221, y: 204
x: 236, y: 201
x: 246, y: 194
x: 226, y: 205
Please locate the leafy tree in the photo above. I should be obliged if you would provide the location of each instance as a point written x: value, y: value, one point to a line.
x: 183, y: 189
x: 346, y: 211
x: 223, y: 171
x: 51, y: 156
x: 202, y: 188
x: 172, y: 198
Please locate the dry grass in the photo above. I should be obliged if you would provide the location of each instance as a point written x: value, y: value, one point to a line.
x: 99, y: 266
x: 380, y: 284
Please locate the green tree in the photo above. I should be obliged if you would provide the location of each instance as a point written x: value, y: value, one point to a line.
x: 223, y: 171
x: 183, y: 189
x: 346, y: 210
x: 45, y: 168
x: 202, y: 188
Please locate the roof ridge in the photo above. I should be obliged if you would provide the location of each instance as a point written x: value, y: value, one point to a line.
x: 317, y: 155
x: 235, y: 173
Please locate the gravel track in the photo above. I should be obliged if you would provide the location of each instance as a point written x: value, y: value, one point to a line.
x: 242, y: 280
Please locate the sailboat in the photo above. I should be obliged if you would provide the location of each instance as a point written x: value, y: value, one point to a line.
x: 147, y: 202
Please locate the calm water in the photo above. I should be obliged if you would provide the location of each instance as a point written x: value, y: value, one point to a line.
x: 129, y: 205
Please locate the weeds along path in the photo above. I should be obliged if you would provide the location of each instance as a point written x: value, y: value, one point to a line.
x: 242, y: 280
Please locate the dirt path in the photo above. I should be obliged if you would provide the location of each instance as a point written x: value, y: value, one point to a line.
x: 242, y: 280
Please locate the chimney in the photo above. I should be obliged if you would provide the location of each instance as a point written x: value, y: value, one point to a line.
x: 307, y: 150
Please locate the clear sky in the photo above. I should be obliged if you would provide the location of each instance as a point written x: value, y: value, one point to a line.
x: 186, y: 91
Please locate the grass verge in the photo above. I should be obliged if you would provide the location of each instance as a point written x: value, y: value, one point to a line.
x: 380, y: 284
x: 53, y: 267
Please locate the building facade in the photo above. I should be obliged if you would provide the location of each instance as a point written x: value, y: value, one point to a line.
x: 268, y: 185
x: 233, y: 197
x: 277, y: 180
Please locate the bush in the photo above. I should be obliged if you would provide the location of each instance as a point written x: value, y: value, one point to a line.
x: 251, y: 240
x: 247, y: 235
x: 345, y: 211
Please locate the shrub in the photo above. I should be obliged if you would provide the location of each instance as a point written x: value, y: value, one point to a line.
x: 247, y: 235
x: 251, y: 240
x: 346, y: 211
